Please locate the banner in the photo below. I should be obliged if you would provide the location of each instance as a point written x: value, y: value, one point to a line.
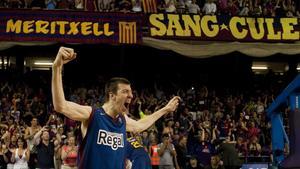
x: 223, y: 28
x: 255, y: 166
x: 70, y: 26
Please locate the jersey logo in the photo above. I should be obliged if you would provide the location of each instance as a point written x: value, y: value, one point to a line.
x: 114, y: 140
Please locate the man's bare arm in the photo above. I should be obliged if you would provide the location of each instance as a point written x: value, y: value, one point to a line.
x: 70, y: 109
x: 146, y: 122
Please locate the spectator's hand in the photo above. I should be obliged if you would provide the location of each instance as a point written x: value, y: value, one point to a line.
x: 64, y: 55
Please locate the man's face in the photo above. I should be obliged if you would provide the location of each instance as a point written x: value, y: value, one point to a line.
x: 214, y: 160
x: 193, y: 162
x: 34, y: 122
x: 45, y: 135
x: 123, y: 97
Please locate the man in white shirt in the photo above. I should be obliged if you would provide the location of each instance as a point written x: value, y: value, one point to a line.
x: 209, y: 8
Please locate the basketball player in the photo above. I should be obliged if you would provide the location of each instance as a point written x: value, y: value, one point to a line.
x: 137, y: 154
x: 104, y: 129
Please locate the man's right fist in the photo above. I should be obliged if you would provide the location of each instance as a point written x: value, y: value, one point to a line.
x: 64, y: 55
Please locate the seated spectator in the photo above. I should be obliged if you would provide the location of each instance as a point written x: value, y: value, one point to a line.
x: 170, y: 6
x: 289, y: 8
x: 136, y: 5
x: 215, y: 163
x: 223, y: 6
x: 232, y: 8
x: 50, y: 4
x: 194, y: 8
x: 244, y: 8
x: 193, y: 163
x: 180, y: 6
x: 79, y: 4
x: 16, y: 3
x: 125, y: 6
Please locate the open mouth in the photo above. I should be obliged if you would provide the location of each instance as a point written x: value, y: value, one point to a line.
x: 126, y: 105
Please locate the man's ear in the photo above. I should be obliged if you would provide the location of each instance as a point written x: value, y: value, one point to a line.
x: 111, y: 95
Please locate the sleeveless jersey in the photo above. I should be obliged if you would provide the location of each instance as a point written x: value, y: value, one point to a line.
x: 137, y: 154
x: 103, y: 146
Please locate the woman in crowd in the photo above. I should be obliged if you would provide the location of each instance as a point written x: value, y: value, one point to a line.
x: 69, y: 154
x: 21, y: 155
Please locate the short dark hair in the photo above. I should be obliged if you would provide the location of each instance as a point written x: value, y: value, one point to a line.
x: 112, y: 86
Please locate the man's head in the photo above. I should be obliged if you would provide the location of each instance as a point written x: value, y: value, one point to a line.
x: 45, y: 135
x: 34, y: 121
x: 214, y: 160
x: 118, y: 91
x: 193, y: 162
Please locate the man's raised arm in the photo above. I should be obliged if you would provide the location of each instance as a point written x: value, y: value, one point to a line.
x: 146, y: 122
x: 70, y: 109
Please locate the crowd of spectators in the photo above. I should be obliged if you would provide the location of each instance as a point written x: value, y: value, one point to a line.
x: 207, y: 126
x: 255, y: 8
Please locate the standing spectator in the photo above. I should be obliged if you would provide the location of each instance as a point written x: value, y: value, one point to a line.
x: 21, y: 155
x: 230, y: 155
x: 69, y: 154
x: 3, y: 155
x: 168, y: 129
x: 167, y: 153
x: 29, y: 134
x: 45, y: 149
x: 153, y: 151
x: 181, y: 151
x: 254, y: 147
x: 203, y: 148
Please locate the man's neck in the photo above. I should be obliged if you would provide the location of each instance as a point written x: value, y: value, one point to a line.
x: 110, y: 110
x: 46, y: 142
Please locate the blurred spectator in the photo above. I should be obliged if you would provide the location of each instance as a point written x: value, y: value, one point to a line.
x: 167, y: 153
x: 29, y: 134
x: 254, y: 147
x: 69, y: 154
x: 46, y: 148
x: 124, y: 6
x: 215, y: 163
x: 209, y: 8
x: 3, y: 155
x: 50, y: 4
x: 182, y: 153
x: 37, y: 4
x: 289, y: 8
x: 170, y: 6
x: 153, y: 152
x: 136, y: 5
x: 244, y: 7
x: 194, y: 8
x: 229, y: 154
x: 20, y: 156
x: 16, y: 3
x: 193, y: 164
